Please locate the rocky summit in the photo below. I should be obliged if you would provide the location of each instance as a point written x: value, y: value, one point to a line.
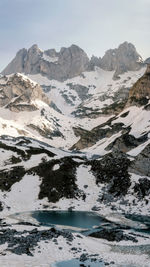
x: 72, y: 61
x: 122, y: 59
x: 75, y: 136
x: 67, y: 63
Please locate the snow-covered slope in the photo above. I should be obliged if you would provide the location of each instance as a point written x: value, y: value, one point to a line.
x: 32, y: 174
x: 92, y: 90
x: 80, y: 144
x: 55, y: 123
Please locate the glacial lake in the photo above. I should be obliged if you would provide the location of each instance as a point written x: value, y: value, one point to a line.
x: 87, y: 222
x: 83, y: 220
x: 77, y: 263
x: 75, y: 219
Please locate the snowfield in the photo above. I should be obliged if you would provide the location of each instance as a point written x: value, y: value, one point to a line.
x: 36, y: 142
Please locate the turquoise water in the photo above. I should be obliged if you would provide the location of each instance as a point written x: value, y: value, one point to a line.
x: 77, y: 263
x: 87, y: 220
x: 79, y: 219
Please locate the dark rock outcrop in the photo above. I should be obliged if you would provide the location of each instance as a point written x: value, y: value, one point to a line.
x: 113, y: 235
x: 112, y: 170
x: 126, y: 142
x: 141, y: 164
x: 89, y: 138
x: 94, y: 62
x: 25, y: 242
x: 59, y: 183
x: 142, y: 188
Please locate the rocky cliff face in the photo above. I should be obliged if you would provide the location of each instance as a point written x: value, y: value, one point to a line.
x: 122, y: 59
x: 94, y: 62
x: 147, y: 61
x: 18, y: 93
x: 139, y: 94
x: 67, y: 63
x: 72, y: 61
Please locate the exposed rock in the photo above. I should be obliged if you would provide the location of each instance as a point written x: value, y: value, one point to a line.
x: 59, y: 183
x: 84, y: 112
x: 9, y: 177
x: 122, y: 59
x: 147, y: 61
x: 45, y: 131
x: 122, y: 94
x: 81, y: 90
x: 126, y: 142
x: 17, y: 64
x: 141, y: 164
x: 94, y: 62
x: 25, y: 242
x: 112, y: 170
x: 114, y: 108
x: 1, y: 206
x: 142, y: 188
x: 19, y: 94
x: 113, y: 235
x: 89, y: 138
x: 72, y: 61
x: 53, y: 105
x: 84, y: 257
x: 67, y: 63
x: 139, y: 94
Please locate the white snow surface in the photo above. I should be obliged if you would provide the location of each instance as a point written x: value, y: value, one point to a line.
x: 23, y: 195
x: 49, y: 59
x: 99, y: 82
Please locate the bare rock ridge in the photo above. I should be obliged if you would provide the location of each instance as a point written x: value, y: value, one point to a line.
x: 72, y: 61
x: 67, y: 63
x: 124, y: 58
x: 20, y: 94
x: 140, y: 92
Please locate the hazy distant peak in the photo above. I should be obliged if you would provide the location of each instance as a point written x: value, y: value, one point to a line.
x: 122, y: 59
x: 67, y: 63
x: 72, y: 61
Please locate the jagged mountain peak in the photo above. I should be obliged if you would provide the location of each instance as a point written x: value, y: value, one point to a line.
x: 127, y: 45
x: 121, y: 59
x: 129, y: 50
x: 67, y: 63
x: 71, y: 61
x: 34, y: 47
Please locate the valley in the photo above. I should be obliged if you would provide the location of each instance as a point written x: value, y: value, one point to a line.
x: 75, y: 138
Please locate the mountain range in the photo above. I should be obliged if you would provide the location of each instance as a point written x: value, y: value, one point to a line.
x: 75, y: 131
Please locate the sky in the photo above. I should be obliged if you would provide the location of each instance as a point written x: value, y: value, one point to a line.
x: 94, y: 25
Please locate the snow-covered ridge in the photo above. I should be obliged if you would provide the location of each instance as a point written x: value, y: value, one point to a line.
x: 48, y: 124
x: 27, y: 79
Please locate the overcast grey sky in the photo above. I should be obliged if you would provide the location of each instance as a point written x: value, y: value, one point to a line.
x: 94, y: 25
